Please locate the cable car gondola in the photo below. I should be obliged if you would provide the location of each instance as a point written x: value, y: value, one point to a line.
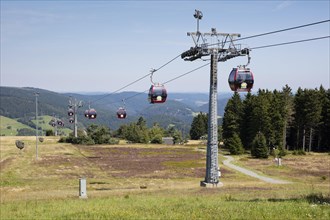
x: 71, y: 120
x: 86, y: 113
x: 60, y: 123
x: 241, y: 79
x: 70, y: 112
x: 157, y: 94
x: 121, y: 113
x: 92, y: 113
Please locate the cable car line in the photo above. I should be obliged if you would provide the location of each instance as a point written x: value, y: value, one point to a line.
x: 282, y: 30
x: 175, y: 78
x: 143, y: 92
x: 186, y: 73
x: 244, y: 38
x: 291, y: 42
x: 278, y: 31
x: 253, y: 48
x: 139, y: 79
x: 259, y: 47
x: 167, y: 63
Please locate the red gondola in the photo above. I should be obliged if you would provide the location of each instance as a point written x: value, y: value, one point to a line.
x: 70, y: 112
x: 60, y: 123
x: 71, y: 120
x: 86, y: 113
x: 241, y: 79
x: 157, y: 94
x: 92, y: 113
x: 121, y: 113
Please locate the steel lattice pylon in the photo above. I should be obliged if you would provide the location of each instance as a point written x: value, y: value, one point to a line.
x: 221, y: 51
x: 212, y: 169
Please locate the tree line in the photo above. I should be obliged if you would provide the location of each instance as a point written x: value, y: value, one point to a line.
x: 135, y: 132
x: 271, y: 120
x: 138, y: 132
x: 281, y: 119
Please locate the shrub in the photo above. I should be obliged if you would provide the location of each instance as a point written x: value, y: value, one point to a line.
x: 157, y: 139
x: 95, y: 135
x: 299, y: 152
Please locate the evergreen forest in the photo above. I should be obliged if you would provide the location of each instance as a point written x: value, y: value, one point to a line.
x: 280, y: 120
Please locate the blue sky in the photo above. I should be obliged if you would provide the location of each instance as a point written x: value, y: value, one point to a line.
x: 104, y: 45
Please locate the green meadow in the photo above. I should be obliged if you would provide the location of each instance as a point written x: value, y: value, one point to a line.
x: 137, y: 181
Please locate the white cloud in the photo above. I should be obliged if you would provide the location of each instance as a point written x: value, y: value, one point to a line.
x: 283, y: 5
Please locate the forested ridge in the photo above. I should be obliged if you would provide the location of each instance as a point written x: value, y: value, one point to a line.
x: 178, y: 110
x: 287, y: 120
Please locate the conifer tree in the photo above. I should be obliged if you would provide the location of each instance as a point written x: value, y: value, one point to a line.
x: 234, y: 144
x: 324, y: 140
x: 259, y: 146
x: 287, y: 112
x: 198, y: 126
x: 262, y: 116
x: 232, y: 116
x: 248, y: 129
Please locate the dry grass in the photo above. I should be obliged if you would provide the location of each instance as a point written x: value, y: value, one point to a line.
x: 145, y: 172
x: 312, y: 168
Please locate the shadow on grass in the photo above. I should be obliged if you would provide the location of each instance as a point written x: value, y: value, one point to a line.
x: 313, y: 198
x: 318, y: 198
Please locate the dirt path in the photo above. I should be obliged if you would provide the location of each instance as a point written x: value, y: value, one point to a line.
x: 251, y: 173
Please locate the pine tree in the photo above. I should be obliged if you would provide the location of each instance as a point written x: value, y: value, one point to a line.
x: 234, y: 144
x: 324, y: 141
x: 313, y: 109
x: 232, y: 116
x: 299, y: 119
x: 277, y: 119
x: 198, y: 126
x: 287, y: 112
x: 262, y: 116
x: 259, y: 146
x: 248, y: 129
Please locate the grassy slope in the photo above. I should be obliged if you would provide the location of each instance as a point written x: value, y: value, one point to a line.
x: 14, y: 125
x: 43, y: 123
x: 43, y: 189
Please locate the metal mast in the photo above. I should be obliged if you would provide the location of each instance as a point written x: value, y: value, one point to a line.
x: 74, y: 104
x: 218, y: 53
x: 37, y: 124
x: 55, y: 124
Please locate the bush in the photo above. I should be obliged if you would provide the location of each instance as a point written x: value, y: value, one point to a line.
x: 299, y: 152
x: 49, y: 133
x: 157, y: 139
x: 26, y: 132
x: 95, y: 135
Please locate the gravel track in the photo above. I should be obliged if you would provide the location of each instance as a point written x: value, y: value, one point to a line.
x: 251, y: 173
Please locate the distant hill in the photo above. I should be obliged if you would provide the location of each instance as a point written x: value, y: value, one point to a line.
x: 178, y: 110
x: 9, y: 127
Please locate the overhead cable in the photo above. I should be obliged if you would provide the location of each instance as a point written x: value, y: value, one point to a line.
x: 291, y: 42
x: 135, y: 81
x: 278, y: 31
x: 244, y: 38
